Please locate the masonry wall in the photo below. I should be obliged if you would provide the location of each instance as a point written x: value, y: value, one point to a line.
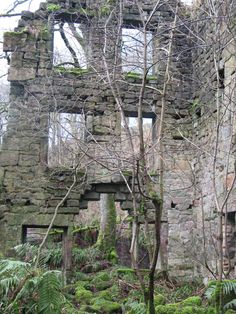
x: 214, y: 136
x: 30, y: 190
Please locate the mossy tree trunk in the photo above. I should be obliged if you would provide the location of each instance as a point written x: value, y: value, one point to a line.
x: 107, y: 233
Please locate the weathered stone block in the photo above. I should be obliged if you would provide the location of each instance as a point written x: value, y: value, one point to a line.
x: 13, y: 41
x: 21, y: 74
x: 28, y: 160
x: 9, y: 158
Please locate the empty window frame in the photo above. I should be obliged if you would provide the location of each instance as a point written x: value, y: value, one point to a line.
x: 148, y: 133
x: 68, y: 46
x: 134, y: 42
x: 57, y: 241
x: 3, y: 126
x: 66, y: 135
x: 4, y: 101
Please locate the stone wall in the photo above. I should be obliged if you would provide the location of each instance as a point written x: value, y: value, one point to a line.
x: 214, y: 137
x: 30, y: 190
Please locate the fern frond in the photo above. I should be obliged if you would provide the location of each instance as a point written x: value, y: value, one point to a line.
x: 136, y: 307
x: 26, y: 251
x: 229, y: 286
x: 11, y: 273
x: 210, y: 292
x: 230, y: 305
x: 49, y: 292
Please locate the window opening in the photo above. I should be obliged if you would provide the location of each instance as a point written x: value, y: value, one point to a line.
x: 53, y: 250
x: 68, y: 46
x: 132, y: 50
x: 3, y: 125
x: 148, y: 132
x: 66, y: 135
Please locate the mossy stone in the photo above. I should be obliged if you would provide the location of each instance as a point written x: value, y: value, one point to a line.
x: 167, y: 309
x: 159, y: 299
x: 211, y: 310
x: 103, y: 285
x: 83, y: 295
x: 194, y: 301
x: 103, y: 276
x: 124, y: 271
x: 105, y: 306
x: 191, y: 310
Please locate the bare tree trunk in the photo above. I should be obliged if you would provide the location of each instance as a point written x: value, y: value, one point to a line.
x: 107, y: 233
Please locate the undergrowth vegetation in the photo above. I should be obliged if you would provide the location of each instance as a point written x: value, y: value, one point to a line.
x: 97, y: 286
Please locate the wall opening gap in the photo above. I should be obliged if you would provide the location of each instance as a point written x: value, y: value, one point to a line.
x: 54, y: 251
x: 65, y: 137
x: 68, y: 46
x: 133, y: 46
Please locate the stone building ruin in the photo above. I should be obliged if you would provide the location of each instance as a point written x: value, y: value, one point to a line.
x: 199, y: 154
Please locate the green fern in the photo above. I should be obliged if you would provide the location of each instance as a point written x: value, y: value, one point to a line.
x: 26, y: 251
x: 22, y: 288
x: 49, y: 291
x: 228, y: 288
x: 230, y: 305
x: 136, y: 307
x: 11, y: 273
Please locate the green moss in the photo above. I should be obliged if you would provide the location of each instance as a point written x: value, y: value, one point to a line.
x: 74, y: 71
x: 44, y: 33
x: 100, y: 285
x: 105, y: 306
x: 85, y: 228
x: 107, y: 236
x: 133, y: 75
x: 81, y: 276
x: 154, y: 195
x: 167, y: 309
x: 180, y: 308
x: 191, y: 310
x: 230, y: 312
x: 56, y: 231
x: 159, y: 299
x: 103, y: 276
x: 110, y: 294
x: 112, y: 256
x: 82, y: 295
x: 85, y: 309
x: 210, y: 310
x: 13, y: 34
x: 87, y: 12
x: 195, y: 301
x: 101, y: 282
x: 105, y: 10
x: 51, y: 7
x: 105, y: 294
x: 127, y: 173
x: 151, y: 77
x: 125, y: 271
